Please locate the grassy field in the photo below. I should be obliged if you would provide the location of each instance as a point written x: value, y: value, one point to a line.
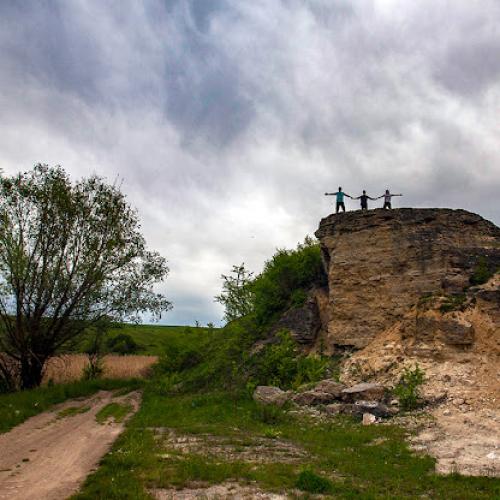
x: 152, y: 339
x: 341, y: 457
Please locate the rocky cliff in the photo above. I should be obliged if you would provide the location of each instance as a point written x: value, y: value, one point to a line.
x: 381, y: 263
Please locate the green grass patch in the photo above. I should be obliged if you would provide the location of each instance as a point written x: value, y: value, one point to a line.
x: 313, y: 483
x: 72, y: 411
x: 16, y: 407
x: 115, y: 411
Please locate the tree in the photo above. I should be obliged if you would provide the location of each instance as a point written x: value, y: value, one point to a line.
x: 236, y: 296
x: 70, y: 256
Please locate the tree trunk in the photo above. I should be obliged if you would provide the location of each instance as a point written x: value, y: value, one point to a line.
x: 31, y: 372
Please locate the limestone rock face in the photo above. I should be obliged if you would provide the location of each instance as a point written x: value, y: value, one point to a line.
x: 381, y: 262
x: 304, y: 322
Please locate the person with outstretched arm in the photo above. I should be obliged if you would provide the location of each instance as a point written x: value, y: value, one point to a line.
x: 364, y: 200
x: 340, y: 199
x: 387, y: 198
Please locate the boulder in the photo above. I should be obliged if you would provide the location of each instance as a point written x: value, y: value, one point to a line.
x: 330, y: 386
x: 369, y: 419
x: 269, y: 395
x: 311, y: 398
x: 374, y: 407
x: 364, y: 391
x: 324, y: 392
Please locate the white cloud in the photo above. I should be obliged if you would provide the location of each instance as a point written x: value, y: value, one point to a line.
x: 226, y: 121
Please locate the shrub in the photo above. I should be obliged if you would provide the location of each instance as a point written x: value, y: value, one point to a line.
x: 123, y: 343
x: 313, y: 483
x: 284, y: 280
x: 453, y: 303
x: 270, y: 414
x: 282, y: 365
x: 93, y: 369
x: 482, y: 272
x: 408, y: 388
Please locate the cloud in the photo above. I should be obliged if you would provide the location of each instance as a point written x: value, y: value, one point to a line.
x: 226, y: 121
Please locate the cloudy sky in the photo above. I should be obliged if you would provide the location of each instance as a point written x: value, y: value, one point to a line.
x: 227, y: 120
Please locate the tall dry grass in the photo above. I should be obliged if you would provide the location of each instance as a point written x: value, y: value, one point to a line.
x: 69, y: 367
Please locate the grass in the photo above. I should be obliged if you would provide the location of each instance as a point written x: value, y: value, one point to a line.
x: 115, y: 411
x: 72, y: 411
x: 152, y: 339
x: 344, y: 458
x: 16, y: 407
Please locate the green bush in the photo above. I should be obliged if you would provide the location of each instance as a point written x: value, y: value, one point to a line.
x: 284, y: 280
x: 282, y: 365
x: 122, y: 343
x: 482, y: 272
x: 313, y: 483
x: 93, y: 370
x: 408, y: 388
x: 453, y: 303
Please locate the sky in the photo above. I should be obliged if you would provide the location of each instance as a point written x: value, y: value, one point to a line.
x: 225, y: 121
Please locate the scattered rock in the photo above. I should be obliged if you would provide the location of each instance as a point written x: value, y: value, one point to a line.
x: 375, y: 407
x: 269, y: 395
x: 334, y: 409
x: 330, y: 387
x: 364, y: 391
x: 369, y: 419
x: 325, y: 392
x: 311, y: 398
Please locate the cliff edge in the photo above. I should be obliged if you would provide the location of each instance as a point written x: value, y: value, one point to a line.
x: 380, y: 263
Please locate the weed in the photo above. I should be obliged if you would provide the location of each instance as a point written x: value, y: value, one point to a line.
x: 407, y: 390
x: 453, y: 303
x: 270, y: 414
x: 72, y: 411
x: 93, y: 369
x: 313, y: 483
x: 115, y: 411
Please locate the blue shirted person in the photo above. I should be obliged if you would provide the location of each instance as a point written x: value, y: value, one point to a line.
x: 339, y: 199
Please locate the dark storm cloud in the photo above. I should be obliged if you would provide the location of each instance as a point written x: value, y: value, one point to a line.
x: 225, y: 121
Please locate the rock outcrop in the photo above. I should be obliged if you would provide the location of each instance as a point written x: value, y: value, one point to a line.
x: 380, y: 263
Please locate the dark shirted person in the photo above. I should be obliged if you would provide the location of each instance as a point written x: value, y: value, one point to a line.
x: 339, y: 199
x: 364, y: 200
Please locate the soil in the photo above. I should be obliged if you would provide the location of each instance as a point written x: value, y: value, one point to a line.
x: 50, y: 455
x: 233, y: 491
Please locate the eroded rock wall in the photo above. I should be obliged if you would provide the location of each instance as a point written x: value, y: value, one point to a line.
x: 380, y: 263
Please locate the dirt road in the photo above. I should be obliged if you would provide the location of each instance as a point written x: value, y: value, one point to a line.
x: 50, y: 455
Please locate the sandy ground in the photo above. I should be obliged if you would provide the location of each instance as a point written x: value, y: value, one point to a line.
x: 49, y: 456
x: 462, y: 441
x: 232, y: 491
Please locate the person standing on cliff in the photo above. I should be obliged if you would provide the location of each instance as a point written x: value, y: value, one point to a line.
x: 387, y: 198
x: 364, y: 200
x: 340, y: 199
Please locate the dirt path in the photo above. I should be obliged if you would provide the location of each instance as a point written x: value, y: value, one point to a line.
x: 51, y: 454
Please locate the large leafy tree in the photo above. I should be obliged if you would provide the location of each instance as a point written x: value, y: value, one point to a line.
x: 71, y: 254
